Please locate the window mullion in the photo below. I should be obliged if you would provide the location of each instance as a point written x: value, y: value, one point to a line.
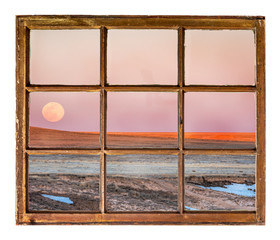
x: 260, y: 173
x: 181, y: 117
x: 103, y: 110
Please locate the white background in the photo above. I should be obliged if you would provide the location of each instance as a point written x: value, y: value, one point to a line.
x: 172, y: 7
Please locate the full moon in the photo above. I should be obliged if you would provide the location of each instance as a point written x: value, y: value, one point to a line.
x: 53, y: 112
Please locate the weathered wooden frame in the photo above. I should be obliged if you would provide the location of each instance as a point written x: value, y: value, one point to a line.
x: 26, y: 23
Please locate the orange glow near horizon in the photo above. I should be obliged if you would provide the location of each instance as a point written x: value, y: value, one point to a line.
x: 240, y: 137
x: 222, y: 136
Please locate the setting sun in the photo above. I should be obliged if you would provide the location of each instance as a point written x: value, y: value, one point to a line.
x: 53, y: 112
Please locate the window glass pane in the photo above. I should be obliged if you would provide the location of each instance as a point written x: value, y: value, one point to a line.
x: 64, y: 120
x: 142, y: 183
x: 220, y: 57
x: 142, y: 57
x: 142, y: 120
x: 220, y: 182
x: 63, y: 182
x: 220, y: 120
x: 65, y: 57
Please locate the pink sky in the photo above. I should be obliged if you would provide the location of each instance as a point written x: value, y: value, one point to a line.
x: 148, y: 112
x: 142, y: 57
x: 142, y: 112
x: 65, y: 57
x: 81, y: 110
x: 220, y: 112
x: 220, y: 57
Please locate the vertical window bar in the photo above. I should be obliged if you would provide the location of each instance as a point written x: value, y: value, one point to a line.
x: 26, y: 114
x: 27, y: 83
x: 27, y: 111
x: 181, y: 116
x: 103, y: 110
x: 181, y: 53
x: 260, y: 83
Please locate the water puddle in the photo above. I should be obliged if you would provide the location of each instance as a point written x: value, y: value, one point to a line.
x: 236, y: 188
x: 59, y: 199
x: 189, y: 208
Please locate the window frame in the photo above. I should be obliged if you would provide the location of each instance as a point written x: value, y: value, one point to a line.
x: 26, y: 23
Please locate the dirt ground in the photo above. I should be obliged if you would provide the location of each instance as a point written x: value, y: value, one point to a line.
x: 134, y: 194
x: 82, y: 190
x: 206, y: 199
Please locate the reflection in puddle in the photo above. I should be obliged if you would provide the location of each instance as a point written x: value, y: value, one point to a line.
x: 59, y: 199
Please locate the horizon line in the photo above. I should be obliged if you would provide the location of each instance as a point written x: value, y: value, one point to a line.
x: 235, y: 136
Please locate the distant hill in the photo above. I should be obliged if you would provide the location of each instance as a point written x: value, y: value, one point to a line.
x: 43, y: 137
x: 50, y: 138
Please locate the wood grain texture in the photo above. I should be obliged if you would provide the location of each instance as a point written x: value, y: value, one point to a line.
x: 62, y: 88
x: 141, y: 151
x: 49, y: 151
x: 103, y: 56
x: 181, y: 173
x: 102, y: 183
x: 103, y: 117
x: 173, y: 22
x: 181, y: 79
x: 139, y: 88
x: 220, y: 88
x: 148, y: 218
x: 261, y: 123
x: 44, y: 151
x: 21, y: 46
x: 220, y: 152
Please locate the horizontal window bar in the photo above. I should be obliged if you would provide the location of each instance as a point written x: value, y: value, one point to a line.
x: 62, y: 88
x: 62, y: 151
x: 143, y: 151
x: 140, y: 218
x: 217, y: 88
x: 138, y: 16
x: 139, y: 88
x: 79, y: 22
x: 220, y: 151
